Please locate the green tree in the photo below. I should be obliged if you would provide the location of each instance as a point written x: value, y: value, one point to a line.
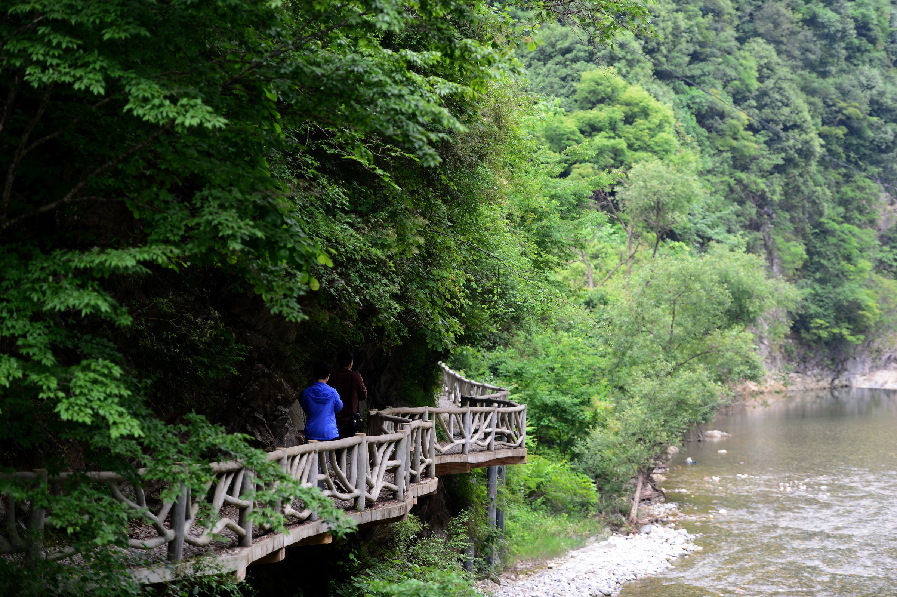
x: 676, y: 337
x: 657, y: 196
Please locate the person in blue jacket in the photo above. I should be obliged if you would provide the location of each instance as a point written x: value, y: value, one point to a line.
x: 321, y: 403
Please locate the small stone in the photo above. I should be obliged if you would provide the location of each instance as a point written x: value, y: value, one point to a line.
x: 646, y: 529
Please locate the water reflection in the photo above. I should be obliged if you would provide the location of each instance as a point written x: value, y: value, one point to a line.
x: 799, y: 503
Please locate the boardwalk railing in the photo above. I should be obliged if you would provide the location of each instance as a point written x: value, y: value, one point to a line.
x: 454, y: 387
x: 463, y: 429
x: 360, y: 470
x: 395, y: 462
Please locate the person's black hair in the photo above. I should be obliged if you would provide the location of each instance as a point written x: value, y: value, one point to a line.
x: 344, y: 358
x: 321, y: 370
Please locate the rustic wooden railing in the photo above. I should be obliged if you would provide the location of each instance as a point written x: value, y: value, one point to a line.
x: 390, y: 466
x: 479, y: 429
x: 463, y: 429
x: 361, y: 470
x: 455, y: 386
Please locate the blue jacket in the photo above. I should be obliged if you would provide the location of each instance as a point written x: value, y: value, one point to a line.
x: 320, y: 403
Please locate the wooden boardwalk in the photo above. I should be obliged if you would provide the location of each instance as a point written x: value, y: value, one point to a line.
x: 373, y: 477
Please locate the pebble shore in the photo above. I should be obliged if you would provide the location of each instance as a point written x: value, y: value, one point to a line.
x: 600, y: 569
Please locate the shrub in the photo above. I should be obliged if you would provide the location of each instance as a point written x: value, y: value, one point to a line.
x: 552, y: 484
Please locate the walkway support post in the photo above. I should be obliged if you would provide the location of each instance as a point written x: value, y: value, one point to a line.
x: 36, y: 521
x: 492, y: 509
x: 179, y: 526
x: 500, y: 512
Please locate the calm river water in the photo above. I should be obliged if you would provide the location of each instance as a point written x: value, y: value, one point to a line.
x: 802, y: 502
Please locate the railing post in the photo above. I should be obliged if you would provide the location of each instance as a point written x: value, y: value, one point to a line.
x: 179, y: 526
x: 245, y: 521
x: 363, y: 466
x: 417, y: 453
x: 315, y: 475
x: 494, y: 427
x: 403, y: 453
x: 323, y: 468
x: 467, y: 431
x: 284, y: 466
x: 431, y: 438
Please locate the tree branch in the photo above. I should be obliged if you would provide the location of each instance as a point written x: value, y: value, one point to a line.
x: 590, y: 277
x: 693, y: 357
x: 279, y: 51
x: 72, y: 195
x: 71, y: 123
x: 25, y: 27
x: 10, y: 101
x: 20, y: 153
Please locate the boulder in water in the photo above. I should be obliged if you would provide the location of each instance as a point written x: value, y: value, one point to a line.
x: 715, y: 434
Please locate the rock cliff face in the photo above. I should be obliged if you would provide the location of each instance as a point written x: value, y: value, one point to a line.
x: 869, y: 365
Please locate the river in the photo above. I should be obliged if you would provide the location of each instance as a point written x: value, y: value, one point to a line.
x: 800, y: 500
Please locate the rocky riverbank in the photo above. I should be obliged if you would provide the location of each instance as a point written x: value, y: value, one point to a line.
x: 600, y: 569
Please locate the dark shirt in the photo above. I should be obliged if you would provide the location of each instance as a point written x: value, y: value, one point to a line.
x: 351, y: 390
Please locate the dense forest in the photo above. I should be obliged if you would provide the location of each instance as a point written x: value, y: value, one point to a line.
x: 616, y: 210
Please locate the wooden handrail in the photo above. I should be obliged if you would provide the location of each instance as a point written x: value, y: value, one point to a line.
x: 402, y: 451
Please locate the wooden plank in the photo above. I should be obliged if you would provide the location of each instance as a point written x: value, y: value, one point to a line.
x: 271, y: 558
x: 451, y: 468
x: 324, y: 539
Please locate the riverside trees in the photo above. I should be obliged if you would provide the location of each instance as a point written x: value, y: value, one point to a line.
x: 666, y: 306
x: 739, y: 128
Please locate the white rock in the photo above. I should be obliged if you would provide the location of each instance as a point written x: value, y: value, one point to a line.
x: 716, y: 433
x: 602, y: 567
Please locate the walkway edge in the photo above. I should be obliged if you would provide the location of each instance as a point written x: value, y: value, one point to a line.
x: 237, y: 563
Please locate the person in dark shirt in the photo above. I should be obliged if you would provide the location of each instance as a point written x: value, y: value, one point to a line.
x: 350, y: 386
x: 321, y: 403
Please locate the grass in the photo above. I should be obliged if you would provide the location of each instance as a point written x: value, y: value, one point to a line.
x: 537, y: 535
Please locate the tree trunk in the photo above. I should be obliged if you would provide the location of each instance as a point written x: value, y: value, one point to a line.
x: 633, y: 514
x: 590, y: 276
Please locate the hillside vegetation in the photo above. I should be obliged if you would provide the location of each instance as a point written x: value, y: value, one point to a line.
x: 722, y: 189
x: 200, y: 200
